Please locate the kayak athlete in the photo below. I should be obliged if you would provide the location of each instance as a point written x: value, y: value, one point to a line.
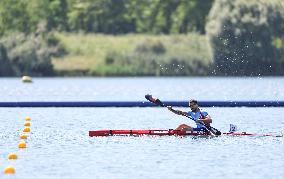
x: 201, y: 118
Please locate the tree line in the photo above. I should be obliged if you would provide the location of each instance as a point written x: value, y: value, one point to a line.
x: 246, y: 37
x: 105, y: 16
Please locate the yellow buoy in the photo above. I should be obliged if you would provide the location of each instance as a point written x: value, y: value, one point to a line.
x: 22, y: 145
x: 23, y: 136
x: 28, y: 118
x: 9, y: 170
x: 27, y: 79
x: 27, y: 123
x: 12, y: 156
x: 26, y: 129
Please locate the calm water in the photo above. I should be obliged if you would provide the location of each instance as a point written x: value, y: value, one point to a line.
x: 59, y: 146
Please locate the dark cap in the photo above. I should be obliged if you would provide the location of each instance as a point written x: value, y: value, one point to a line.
x: 193, y: 101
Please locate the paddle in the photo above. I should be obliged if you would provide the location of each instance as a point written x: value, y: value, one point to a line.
x: 156, y: 101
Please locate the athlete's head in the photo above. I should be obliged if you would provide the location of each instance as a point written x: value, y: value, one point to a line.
x: 193, y: 104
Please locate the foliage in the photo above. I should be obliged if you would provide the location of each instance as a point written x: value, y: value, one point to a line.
x: 247, y: 37
x: 5, y: 67
x: 104, y: 16
x: 157, y: 58
x: 28, y: 54
x: 140, y: 16
x: 26, y: 15
x: 103, y: 55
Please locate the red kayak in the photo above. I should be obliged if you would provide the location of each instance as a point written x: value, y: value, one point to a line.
x: 169, y: 132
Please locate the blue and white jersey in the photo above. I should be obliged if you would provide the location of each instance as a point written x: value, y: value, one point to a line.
x: 197, y: 115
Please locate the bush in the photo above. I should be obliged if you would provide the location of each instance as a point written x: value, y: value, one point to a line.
x: 5, y: 67
x: 151, y: 59
x: 134, y: 54
x: 247, y: 37
x: 30, y: 54
x: 151, y: 47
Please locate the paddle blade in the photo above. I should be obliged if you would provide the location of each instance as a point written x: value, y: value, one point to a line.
x: 153, y: 100
x: 149, y: 98
x: 215, y: 131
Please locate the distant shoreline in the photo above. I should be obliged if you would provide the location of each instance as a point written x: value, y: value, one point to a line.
x: 133, y: 55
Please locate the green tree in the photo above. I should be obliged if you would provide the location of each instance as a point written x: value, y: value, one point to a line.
x: 25, y: 15
x: 167, y: 16
x: 142, y: 16
x: 54, y: 12
x: 103, y: 16
x: 247, y: 37
x: 28, y: 54
x: 5, y: 67
x: 14, y: 16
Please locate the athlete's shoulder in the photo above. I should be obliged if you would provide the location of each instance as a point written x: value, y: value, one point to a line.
x: 205, y: 113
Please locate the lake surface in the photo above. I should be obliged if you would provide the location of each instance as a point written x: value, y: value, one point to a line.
x: 59, y: 146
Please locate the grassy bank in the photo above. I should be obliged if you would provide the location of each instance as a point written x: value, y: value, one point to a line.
x: 132, y: 54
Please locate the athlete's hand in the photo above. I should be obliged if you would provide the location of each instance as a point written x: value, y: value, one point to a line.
x: 199, y: 121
